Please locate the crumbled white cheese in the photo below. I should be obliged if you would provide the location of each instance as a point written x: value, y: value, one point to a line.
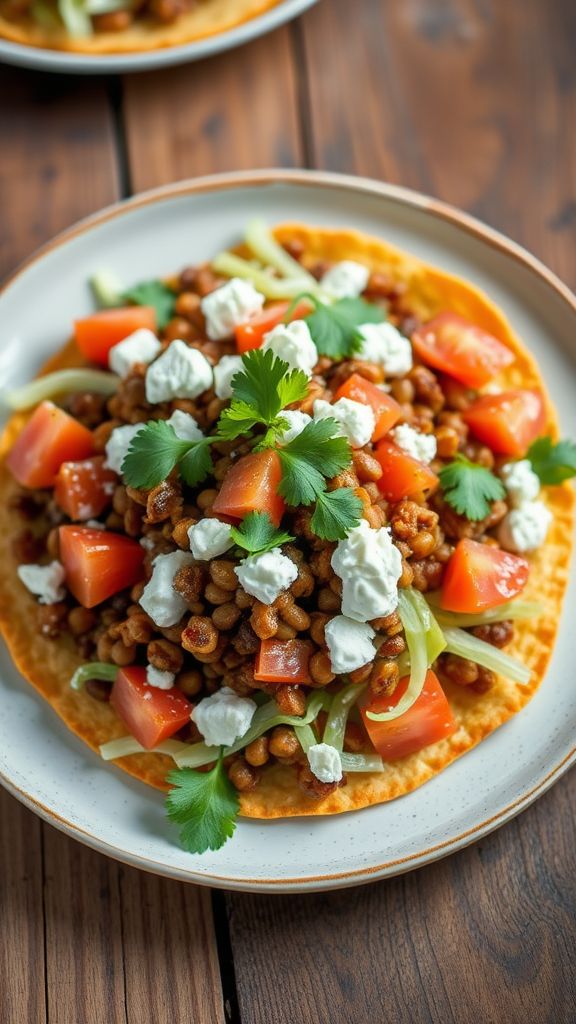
x: 95, y: 524
x: 160, y: 601
x: 224, y: 717
x: 148, y: 543
x: 419, y: 446
x: 525, y: 528
x: 180, y: 372
x: 209, y: 538
x: 345, y: 280
x: 140, y: 347
x: 224, y: 371
x: 384, y: 345
x: 296, y: 422
x: 293, y: 343
x: 45, y: 581
x: 229, y: 306
x: 266, y: 576
x: 161, y: 680
x: 185, y: 426
x: 325, y: 762
x: 349, y: 643
x: 369, y: 566
x: 118, y: 444
x: 356, y: 420
x: 520, y: 481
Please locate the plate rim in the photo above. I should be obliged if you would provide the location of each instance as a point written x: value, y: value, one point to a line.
x: 413, y: 200
x: 68, y: 62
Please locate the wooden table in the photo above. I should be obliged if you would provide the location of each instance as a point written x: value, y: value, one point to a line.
x: 472, y: 102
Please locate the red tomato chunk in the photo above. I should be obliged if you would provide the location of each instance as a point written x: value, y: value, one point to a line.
x: 84, y: 489
x: 429, y: 720
x: 251, y: 485
x: 452, y: 344
x: 479, y: 576
x: 403, y: 476
x: 251, y: 334
x: 386, y: 411
x: 98, y: 563
x: 508, y: 422
x: 283, y: 661
x: 95, y: 335
x: 151, y: 715
x: 50, y: 438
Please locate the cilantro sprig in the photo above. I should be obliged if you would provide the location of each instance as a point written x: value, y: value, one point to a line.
x: 257, y: 534
x: 156, y: 450
x: 552, y: 463
x: 314, y: 455
x: 260, y: 391
x: 469, y: 488
x: 334, y: 327
x: 153, y: 293
x: 205, y: 805
x: 336, y: 513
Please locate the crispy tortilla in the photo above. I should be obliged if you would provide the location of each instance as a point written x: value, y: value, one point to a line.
x: 209, y: 18
x: 48, y: 665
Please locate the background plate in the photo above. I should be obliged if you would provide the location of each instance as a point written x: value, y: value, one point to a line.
x: 118, y: 63
x: 55, y: 774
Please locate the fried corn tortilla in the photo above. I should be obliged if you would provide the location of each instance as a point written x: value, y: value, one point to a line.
x: 209, y: 18
x: 48, y: 665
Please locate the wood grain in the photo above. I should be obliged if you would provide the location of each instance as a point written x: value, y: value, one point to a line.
x: 235, y: 111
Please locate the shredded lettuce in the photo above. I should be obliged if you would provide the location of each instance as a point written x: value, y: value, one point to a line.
x: 338, y: 715
x: 128, y: 745
x: 106, y: 287
x: 230, y: 265
x: 362, y: 763
x: 75, y: 17
x: 306, y: 736
x: 468, y: 646
x: 93, y: 670
x: 425, y: 642
x: 61, y: 382
x: 262, y: 243
x: 510, y: 610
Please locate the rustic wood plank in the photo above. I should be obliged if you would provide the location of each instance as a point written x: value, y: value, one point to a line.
x: 84, y: 957
x: 484, y: 935
x: 22, y: 982
x: 170, y: 956
x: 58, y: 160
x: 467, y: 101
x: 235, y: 111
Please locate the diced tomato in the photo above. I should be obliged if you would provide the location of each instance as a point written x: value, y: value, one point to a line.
x: 479, y: 576
x: 98, y: 563
x: 508, y: 422
x: 152, y: 715
x: 251, y: 485
x: 251, y: 334
x: 429, y: 720
x: 403, y: 476
x: 97, y: 334
x: 84, y: 489
x: 450, y: 343
x: 50, y: 438
x: 387, y: 412
x: 283, y: 661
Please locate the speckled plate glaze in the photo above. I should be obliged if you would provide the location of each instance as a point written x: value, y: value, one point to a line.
x: 117, y: 63
x: 52, y: 772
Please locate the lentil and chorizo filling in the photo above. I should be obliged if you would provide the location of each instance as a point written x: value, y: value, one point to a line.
x: 289, y: 531
x: 121, y: 26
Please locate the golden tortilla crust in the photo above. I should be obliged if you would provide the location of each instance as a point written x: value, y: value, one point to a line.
x: 209, y: 18
x: 48, y: 665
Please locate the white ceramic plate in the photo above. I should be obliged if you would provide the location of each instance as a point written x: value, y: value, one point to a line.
x: 52, y: 772
x: 119, y: 63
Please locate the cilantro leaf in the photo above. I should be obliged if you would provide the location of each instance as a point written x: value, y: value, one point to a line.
x: 205, y: 805
x: 334, y: 328
x: 257, y: 384
x: 553, y: 463
x: 316, y: 453
x: 197, y: 463
x: 239, y: 418
x: 157, y: 294
x: 336, y: 512
x: 152, y: 455
x: 258, y: 534
x: 292, y: 388
x: 470, y: 488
